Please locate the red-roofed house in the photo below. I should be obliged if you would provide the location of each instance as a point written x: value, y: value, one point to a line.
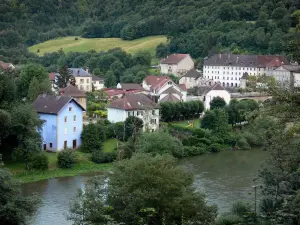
x: 119, y: 93
x: 176, y: 64
x: 138, y: 105
x: 6, y: 66
x: 161, y: 86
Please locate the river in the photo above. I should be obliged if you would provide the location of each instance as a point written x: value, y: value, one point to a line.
x: 224, y: 177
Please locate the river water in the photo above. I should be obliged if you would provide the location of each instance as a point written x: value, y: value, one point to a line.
x: 224, y: 177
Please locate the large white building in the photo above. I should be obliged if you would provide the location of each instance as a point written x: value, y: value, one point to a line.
x: 98, y: 82
x: 215, y: 91
x: 138, y: 105
x: 287, y: 74
x: 176, y: 64
x: 227, y: 69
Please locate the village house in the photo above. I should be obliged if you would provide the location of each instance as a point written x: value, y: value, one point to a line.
x: 63, y: 122
x: 6, y: 66
x: 138, y: 105
x: 52, y: 77
x: 287, y: 75
x: 176, y: 64
x: 217, y: 90
x: 130, y: 86
x: 229, y: 68
x: 83, y: 79
x: 98, y: 82
x: 163, y: 89
x: 75, y: 93
x: 191, y: 79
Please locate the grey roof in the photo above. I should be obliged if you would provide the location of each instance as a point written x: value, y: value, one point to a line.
x: 134, y: 102
x: 229, y: 59
x: 171, y: 90
x: 96, y: 78
x: 193, y: 73
x: 169, y: 98
x: 50, y: 104
x: 71, y: 91
x: 215, y: 87
x: 292, y: 68
x: 131, y: 86
x: 79, y: 72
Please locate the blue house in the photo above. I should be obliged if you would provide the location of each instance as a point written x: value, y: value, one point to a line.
x: 63, y: 121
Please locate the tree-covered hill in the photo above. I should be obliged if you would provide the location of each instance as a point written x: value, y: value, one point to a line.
x: 193, y: 26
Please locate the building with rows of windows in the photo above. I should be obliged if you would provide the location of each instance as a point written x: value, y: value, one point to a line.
x: 228, y: 69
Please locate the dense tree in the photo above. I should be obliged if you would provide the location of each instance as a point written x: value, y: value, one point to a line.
x: 110, y: 79
x: 132, y: 126
x: 63, y: 78
x: 93, y: 136
x: 14, y: 208
x: 217, y: 103
x: 215, y: 120
x: 134, y: 195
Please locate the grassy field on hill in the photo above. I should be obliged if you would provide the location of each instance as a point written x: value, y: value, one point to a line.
x: 85, y: 44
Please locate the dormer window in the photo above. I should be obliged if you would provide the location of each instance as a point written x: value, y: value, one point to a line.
x: 170, y: 82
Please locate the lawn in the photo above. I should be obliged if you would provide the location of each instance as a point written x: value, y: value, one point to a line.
x: 85, y: 165
x: 99, y: 44
x: 184, y: 123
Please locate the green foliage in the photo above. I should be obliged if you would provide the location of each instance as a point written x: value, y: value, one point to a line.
x: 229, y: 220
x: 63, y: 78
x: 132, y: 126
x: 103, y: 157
x: 193, y: 151
x: 14, y: 207
x: 216, y: 121
x: 243, y: 144
x: 215, y: 147
x: 217, y: 103
x: 66, y: 158
x: 134, y: 195
x: 39, y: 161
x: 93, y: 136
x: 110, y: 79
x: 160, y: 143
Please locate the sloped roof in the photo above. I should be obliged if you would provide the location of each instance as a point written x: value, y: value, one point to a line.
x: 192, y: 73
x: 171, y: 90
x: 229, y: 59
x: 51, y: 76
x: 4, y: 65
x: 182, y: 87
x: 292, y: 68
x: 71, y: 91
x: 173, y: 59
x: 79, y: 72
x: 134, y: 102
x: 96, y: 78
x: 50, y: 104
x: 131, y: 86
x: 156, y: 82
x: 215, y: 87
x: 169, y: 98
x: 115, y: 91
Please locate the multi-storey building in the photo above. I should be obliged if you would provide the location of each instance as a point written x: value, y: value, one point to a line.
x: 228, y: 69
x: 83, y: 79
x: 176, y: 64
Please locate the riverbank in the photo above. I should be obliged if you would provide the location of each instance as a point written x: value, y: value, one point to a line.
x: 84, y: 165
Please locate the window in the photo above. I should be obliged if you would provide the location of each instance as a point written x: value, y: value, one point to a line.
x: 65, y: 144
x: 74, y: 130
x: 153, y: 112
x: 81, y: 87
x: 153, y: 121
x: 87, y: 81
x: 74, y: 118
x: 128, y: 113
x: 81, y: 81
x: 87, y: 87
x: 50, y: 145
x: 70, y: 109
x: 66, y: 130
x: 170, y: 82
x: 66, y: 119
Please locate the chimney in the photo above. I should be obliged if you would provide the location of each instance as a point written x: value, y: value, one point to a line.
x: 77, y: 72
x: 87, y: 69
x: 220, y: 55
x: 237, y: 59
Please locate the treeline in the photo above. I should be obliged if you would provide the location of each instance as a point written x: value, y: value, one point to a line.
x: 196, y: 26
x: 171, y: 111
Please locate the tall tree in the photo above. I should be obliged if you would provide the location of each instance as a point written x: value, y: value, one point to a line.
x: 144, y: 190
x: 63, y: 78
x: 110, y: 79
x: 217, y: 103
x: 34, y: 89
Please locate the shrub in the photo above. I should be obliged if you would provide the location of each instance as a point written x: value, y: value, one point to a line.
x: 243, y: 144
x: 66, y: 158
x: 103, y: 157
x: 205, y: 141
x: 252, y: 139
x: 215, y: 147
x: 76, y: 38
x: 193, y: 151
x: 39, y: 162
x: 216, y: 139
x: 199, y: 133
x: 229, y: 220
x: 93, y: 135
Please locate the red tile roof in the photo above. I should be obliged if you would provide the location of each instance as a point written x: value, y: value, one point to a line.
x: 134, y: 102
x: 271, y: 61
x: 51, y: 76
x: 156, y: 82
x: 4, y: 65
x: 169, y: 98
x: 173, y: 59
x: 114, y: 91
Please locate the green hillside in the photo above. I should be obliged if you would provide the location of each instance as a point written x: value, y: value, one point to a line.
x: 99, y: 44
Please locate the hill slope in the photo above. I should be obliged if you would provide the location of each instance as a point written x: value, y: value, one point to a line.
x: 99, y: 44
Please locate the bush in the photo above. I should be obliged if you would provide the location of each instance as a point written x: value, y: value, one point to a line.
x: 205, y: 141
x: 103, y: 157
x: 66, y: 158
x: 93, y: 135
x: 199, y: 133
x: 215, y: 147
x: 39, y: 162
x: 76, y: 38
x: 252, y: 139
x: 229, y: 220
x: 193, y: 151
x: 243, y: 144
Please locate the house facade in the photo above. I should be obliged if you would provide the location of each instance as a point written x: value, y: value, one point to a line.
x: 138, y: 105
x: 6, y: 66
x: 286, y: 75
x: 75, y: 93
x: 191, y: 79
x: 63, y: 122
x: 164, y: 89
x: 98, y: 82
x: 83, y: 79
x: 229, y: 68
x: 217, y: 90
x: 176, y: 64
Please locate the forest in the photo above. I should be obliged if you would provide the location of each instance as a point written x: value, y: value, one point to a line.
x: 197, y: 27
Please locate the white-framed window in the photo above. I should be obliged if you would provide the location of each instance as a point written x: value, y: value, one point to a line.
x: 87, y: 81
x: 70, y: 109
x: 74, y: 118
x: 66, y: 119
x: 81, y: 81
x: 66, y: 130
x: 74, y: 130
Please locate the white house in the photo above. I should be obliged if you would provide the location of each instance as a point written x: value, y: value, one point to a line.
x: 98, y: 82
x: 138, y: 105
x: 191, y: 79
x: 163, y: 89
x: 83, y: 79
x: 176, y: 64
x: 228, y: 69
x: 286, y: 74
x: 215, y: 91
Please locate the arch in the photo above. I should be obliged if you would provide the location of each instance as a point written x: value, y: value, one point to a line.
x: 223, y: 84
x: 231, y: 84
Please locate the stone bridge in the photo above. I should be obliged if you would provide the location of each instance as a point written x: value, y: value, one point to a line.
x: 257, y: 96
